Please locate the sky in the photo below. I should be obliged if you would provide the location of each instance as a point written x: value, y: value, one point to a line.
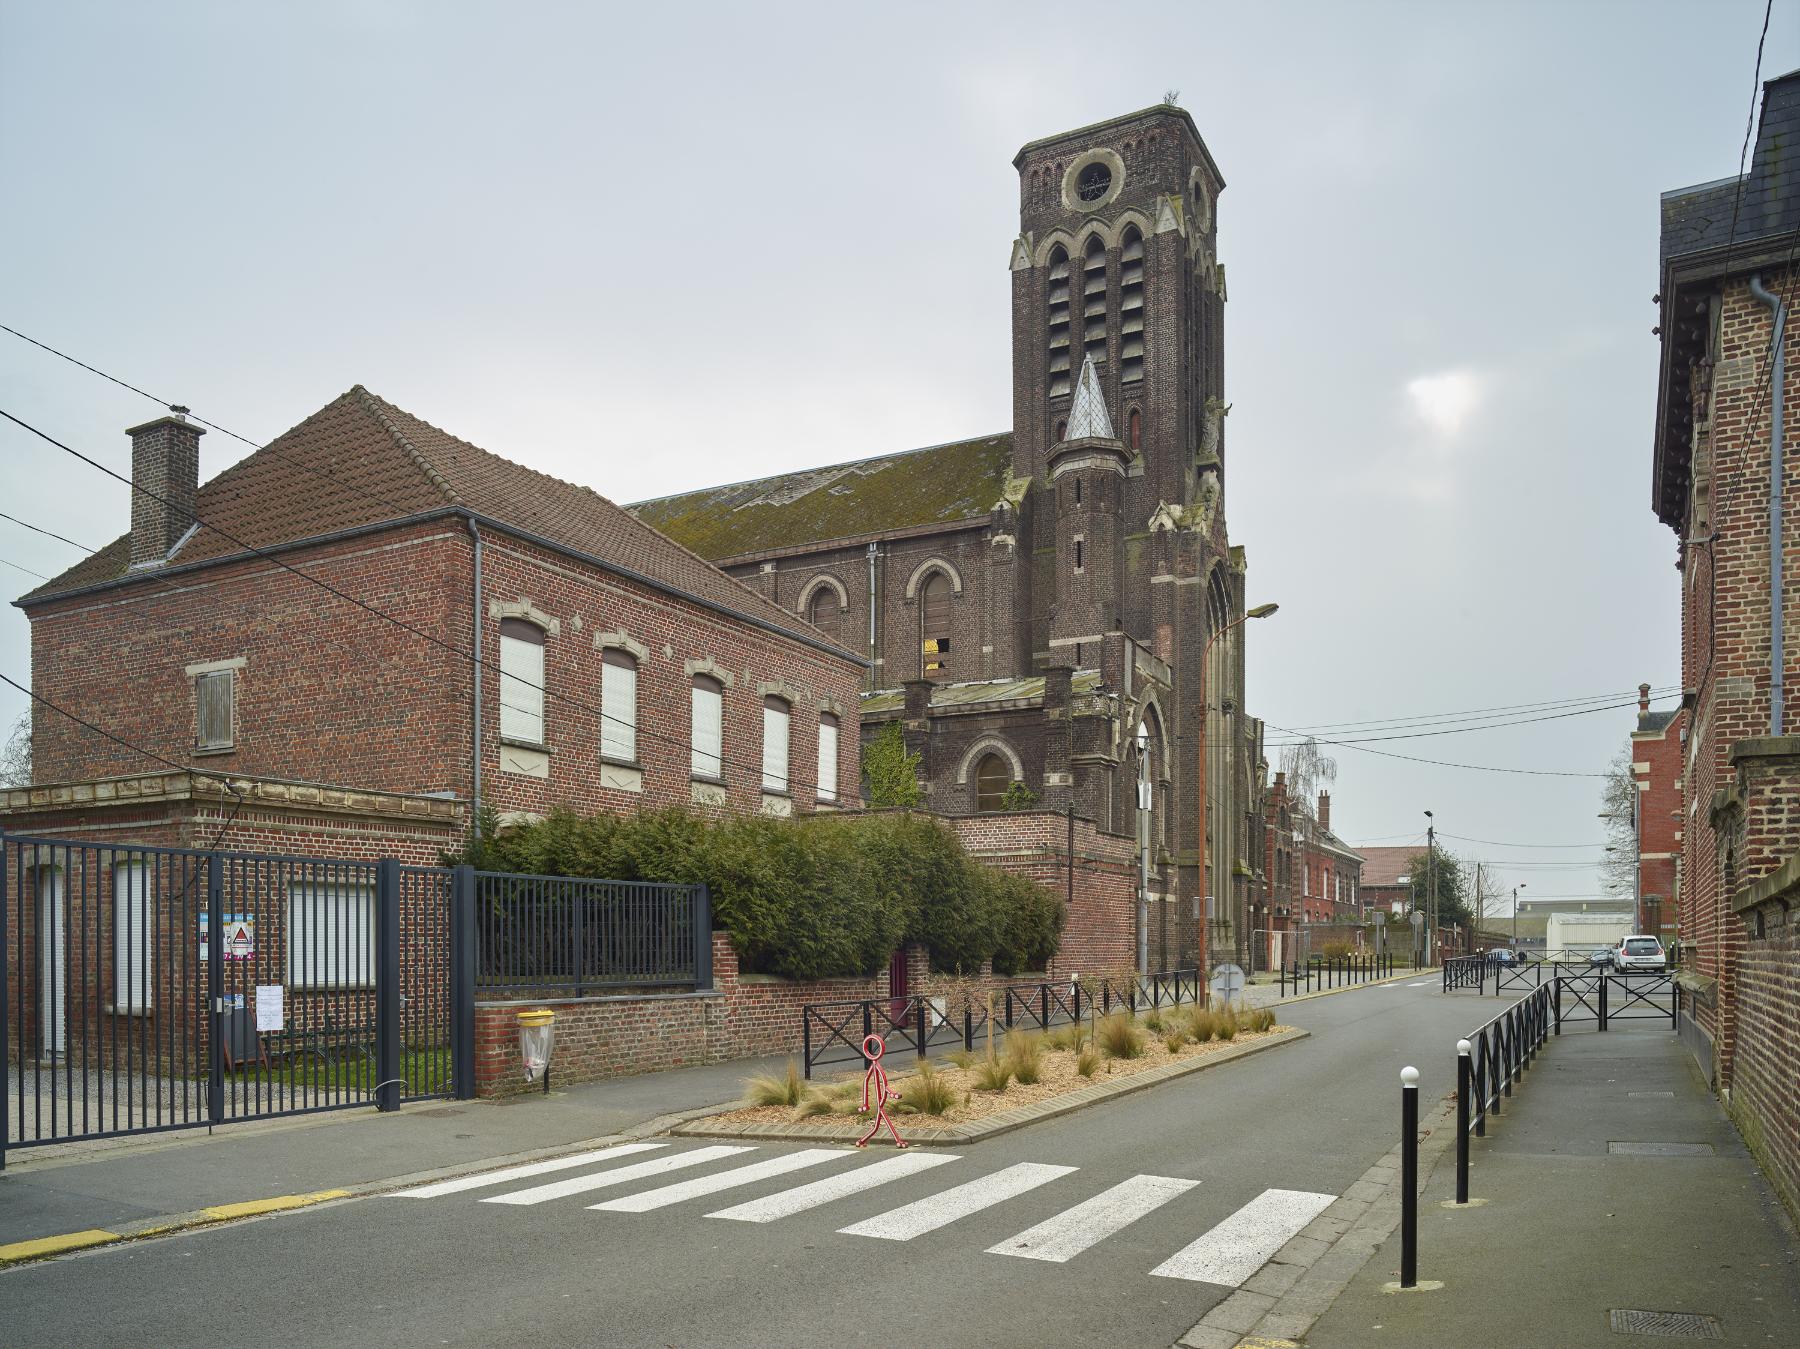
x: 652, y: 248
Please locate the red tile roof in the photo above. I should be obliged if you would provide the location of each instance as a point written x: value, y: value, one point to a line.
x: 361, y: 461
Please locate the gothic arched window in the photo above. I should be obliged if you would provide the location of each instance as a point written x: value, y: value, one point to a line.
x: 992, y: 778
x: 934, y: 626
x: 1056, y: 300
x: 1134, y: 430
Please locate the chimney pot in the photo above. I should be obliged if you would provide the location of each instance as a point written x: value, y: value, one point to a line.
x: 1325, y: 811
x: 1643, y: 697
x: 165, y: 475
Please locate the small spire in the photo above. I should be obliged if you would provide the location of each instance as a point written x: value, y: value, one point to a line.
x: 1087, y: 417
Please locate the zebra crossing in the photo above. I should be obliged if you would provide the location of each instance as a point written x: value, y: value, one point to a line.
x: 1226, y: 1253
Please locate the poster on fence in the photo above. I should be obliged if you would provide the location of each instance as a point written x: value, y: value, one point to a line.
x: 238, y: 936
x: 270, y: 1014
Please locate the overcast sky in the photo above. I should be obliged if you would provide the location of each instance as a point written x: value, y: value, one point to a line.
x: 656, y: 247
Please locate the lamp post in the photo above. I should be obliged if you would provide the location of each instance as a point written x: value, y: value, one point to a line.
x: 1431, y: 906
x: 1520, y: 886
x: 1201, y: 919
x: 1143, y: 814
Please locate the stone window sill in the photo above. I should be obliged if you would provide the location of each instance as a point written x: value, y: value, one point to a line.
x: 612, y: 762
x: 210, y: 751
x: 535, y: 746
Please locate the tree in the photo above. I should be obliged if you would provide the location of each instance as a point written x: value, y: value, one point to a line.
x: 1452, y: 886
x: 1308, y: 771
x: 15, y: 757
x: 1618, y: 804
x: 892, y: 773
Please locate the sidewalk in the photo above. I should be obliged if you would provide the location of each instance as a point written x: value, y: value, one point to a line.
x: 128, y: 1185
x: 1578, y: 1226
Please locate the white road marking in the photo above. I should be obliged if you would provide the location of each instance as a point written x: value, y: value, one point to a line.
x: 803, y: 1197
x: 927, y: 1215
x: 560, y: 1189
x: 724, y: 1180
x: 1072, y: 1231
x: 1421, y: 984
x: 1243, y: 1243
x: 462, y: 1183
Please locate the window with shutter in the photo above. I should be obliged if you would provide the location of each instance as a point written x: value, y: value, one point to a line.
x: 521, y: 681
x: 823, y: 610
x: 992, y: 778
x: 934, y: 626
x: 828, y: 757
x: 709, y: 727
x: 331, y: 936
x: 618, y: 705
x: 131, y: 937
x: 212, y: 700
x: 775, y: 745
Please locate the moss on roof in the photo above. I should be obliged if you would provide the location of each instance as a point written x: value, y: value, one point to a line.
x: 939, y: 485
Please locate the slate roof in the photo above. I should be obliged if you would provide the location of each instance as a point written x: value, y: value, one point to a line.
x: 978, y: 691
x: 1656, y: 721
x: 1385, y: 866
x: 361, y: 461
x: 942, y: 484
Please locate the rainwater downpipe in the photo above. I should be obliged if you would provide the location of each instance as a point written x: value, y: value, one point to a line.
x: 874, y: 552
x: 475, y: 795
x: 1778, y: 385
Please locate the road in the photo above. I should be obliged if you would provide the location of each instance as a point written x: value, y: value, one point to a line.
x: 1119, y: 1209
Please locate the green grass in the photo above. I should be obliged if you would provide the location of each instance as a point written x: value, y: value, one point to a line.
x: 992, y: 1075
x: 1087, y: 1062
x: 926, y: 1092
x: 421, y: 1070
x: 766, y: 1089
x: 1025, y: 1056
x: 1119, y: 1037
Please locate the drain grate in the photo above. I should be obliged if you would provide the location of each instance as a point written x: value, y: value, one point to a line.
x: 1659, y: 1095
x: 1675, y: 1325
x: 1660, y: 1149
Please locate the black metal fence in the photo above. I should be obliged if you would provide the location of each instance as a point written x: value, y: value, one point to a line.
x: 833, y: 1032
x: 1323, y: 972
x: 568, y: 936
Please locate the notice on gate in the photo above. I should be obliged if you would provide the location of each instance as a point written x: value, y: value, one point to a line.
x: 238, y: 939
x: 270, y: 1015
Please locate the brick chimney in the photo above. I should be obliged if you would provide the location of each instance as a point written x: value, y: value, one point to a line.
x: 1280, y: 793
x: 1643, y: 699
x: 165, y: 463
x: 1325, y: 811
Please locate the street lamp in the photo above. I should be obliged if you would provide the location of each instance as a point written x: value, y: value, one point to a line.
x: 1260, y: 611
x: 1431, y: 913
x: 1143, y: 812
x: 1520, y: 886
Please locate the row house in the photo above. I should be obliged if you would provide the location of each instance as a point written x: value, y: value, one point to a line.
x: 1656, y: 749
x: 1312, y: 878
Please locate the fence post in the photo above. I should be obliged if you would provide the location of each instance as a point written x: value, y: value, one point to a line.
x: 1674, y: 1006
x: 1077, y: 991
x: 387, y: 984
x: 968, y: 1026
x: 1409, y: 1177
x: 1605, y: 979
x: 1463, y: 1083
x: 1044, y: 1006
x: 806, y: 1043
x: 868, y: 1023
x: 703, y: 946
x: 462, y: 982
x: 1556, y: 1000
x: 919, y: 1020
x: 215, y: 987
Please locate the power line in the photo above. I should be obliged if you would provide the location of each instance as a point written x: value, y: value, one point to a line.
x: 27, y: 570
x: 1496, y: 843
x: 1479, y: 713
x: 1461, y: 730
x: 1441, y: 763
x: 39, y: 529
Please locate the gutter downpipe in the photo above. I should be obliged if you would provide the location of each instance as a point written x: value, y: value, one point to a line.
x: 475, y: 795
x: 1778, y: 383
x: 874, y: 552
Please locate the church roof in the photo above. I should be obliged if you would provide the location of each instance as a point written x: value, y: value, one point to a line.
x: 939, y: 485
x: 360, y: 461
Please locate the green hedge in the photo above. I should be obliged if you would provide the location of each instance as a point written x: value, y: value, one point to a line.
x: 811, y: 898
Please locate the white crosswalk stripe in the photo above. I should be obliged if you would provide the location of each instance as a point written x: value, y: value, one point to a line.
x: 724, y: 1180
x: 1073, y: 1230
x: 1242, y: 1244
x: 803, y: 1197
x: 927, y: 1215
x: 561, y: 1189
x: 461, y: 1183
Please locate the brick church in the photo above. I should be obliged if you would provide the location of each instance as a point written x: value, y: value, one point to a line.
x: 1029, y: 599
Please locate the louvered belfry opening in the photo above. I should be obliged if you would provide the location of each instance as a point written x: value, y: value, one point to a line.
x: 1093, y: 301
x: 934, y: 626
x: 1131, y: 306
x: 1057, y: 299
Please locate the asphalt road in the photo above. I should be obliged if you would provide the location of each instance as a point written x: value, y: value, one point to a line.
x: 453, y: 1269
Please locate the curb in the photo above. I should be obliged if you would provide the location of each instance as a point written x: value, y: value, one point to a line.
x: 1347, y: 988
x: 1006, y: 1120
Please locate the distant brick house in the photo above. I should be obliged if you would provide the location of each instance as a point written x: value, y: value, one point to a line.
x: 1385, y: 884
x: 1313, y: 878
x: 618, y: 670
x: 1657, y: 746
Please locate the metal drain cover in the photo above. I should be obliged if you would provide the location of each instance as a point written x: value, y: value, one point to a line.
x: 1659, y: 1095
x: 1660, y: 1149
x: 1679, y: 1325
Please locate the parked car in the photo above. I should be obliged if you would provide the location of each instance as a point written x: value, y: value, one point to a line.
x: 1639, y: 952
x: 1602, y: 957
x: 1501, y: 956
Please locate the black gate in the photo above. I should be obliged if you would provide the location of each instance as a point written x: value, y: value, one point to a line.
x: 149, y: 988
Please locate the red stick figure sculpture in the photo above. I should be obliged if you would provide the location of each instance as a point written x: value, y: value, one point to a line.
x: 875, y: 1091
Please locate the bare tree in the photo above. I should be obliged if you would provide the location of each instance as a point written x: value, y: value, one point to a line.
x: 15, y: 757
x: 1619, y: 802
x: 1308, y: 770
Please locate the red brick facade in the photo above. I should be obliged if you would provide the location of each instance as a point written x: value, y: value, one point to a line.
x: 1656, y: 755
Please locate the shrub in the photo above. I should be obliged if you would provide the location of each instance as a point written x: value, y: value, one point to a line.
x: 926, y: 1092
x: 1153, y: 1021
x: 766, y: 1089
x: 1119, y: 1037
x: 1025, y: 1056
x: 1174, y: 1041
x: 992, y: 1075
x: 1203, y: 1024
x: 1336, y: 950
x: 1071, y: 1037
x: 1228, y: 1025
x: 962, y: 1058
x: 816, y: 1103
x: 1261, y: 1019
x: 1087, y: 1061
x: 1030, y: 918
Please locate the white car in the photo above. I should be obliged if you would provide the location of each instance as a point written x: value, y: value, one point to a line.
x: 1639, y: 952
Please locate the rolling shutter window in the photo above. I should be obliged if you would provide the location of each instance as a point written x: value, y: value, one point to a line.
x: 828, y: 757
x: 331, y: 936
x: 709, y: 726
x: 775, y: 745
x: 521, y: 681
x: 991, y: 781
x: 212, y: 698
x: 131, y: 937
x: 618, y: 705
x: 934, y: 626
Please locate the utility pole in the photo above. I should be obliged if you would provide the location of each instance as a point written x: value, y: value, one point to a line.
x: 1520, y: 886
x: 1431, y: 905
x: 1476, y: 932
x: 1143, y: 802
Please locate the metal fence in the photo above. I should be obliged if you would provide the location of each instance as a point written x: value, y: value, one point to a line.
x: 833, y: 1032
x: 571, y: 936
x: 1321, y: 973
